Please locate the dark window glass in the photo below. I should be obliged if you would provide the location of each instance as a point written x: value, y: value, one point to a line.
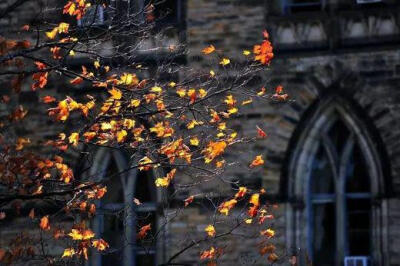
x: 339, y: 134
x: 357, y: 175
x: 144, y: 191
x: 115, y: 193
x: 113, y: 226
x: 322, y: 179
x: 358, y: 226
x: 324, y: 237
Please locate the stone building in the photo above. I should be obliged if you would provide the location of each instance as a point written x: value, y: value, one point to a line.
x: 332, y: 149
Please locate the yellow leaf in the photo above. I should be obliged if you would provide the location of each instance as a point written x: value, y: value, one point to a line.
x: 222, y: 126
x: 156, y: 89
x: 247, y: 102
x: 72, y: 53
x: 100, y: 244
x: 134, y: 103
x: 181, y: 92
x: 248, y: 221
x: 96, y: 64
x: 212, y: 73
x: 224, y: 61
x: 129, y: 123
x: 172, y: 84
x: 194, y: 141
x: 202, y: 93
x: 210, y: 229
x: 193, y: 123
x: 145, y: 164
x: 52, y: 34
x: 74, y: 138
x: 246, y: 52
x: 115, y: 93
x: 233, y: 110
x: 164, y: 182
x: 121, y: 134
x: 68, y: 252
x: 226, y: 206
x: 268, y: 233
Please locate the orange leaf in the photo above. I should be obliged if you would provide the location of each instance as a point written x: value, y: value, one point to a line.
x: 44, y: 223
x: 76, y: 81
x: 257, y: 161
x: 143, y: 231
x: 48, y: 99
x: 208, y: 254
x: 209, y: 49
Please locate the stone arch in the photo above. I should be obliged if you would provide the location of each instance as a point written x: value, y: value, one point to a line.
x: 294, y: 184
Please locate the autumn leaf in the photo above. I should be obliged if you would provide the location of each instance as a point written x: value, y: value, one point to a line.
x: 269, y: 248
x: 264, y: 51
x: 208, y: 254
x: 210, y: 230
x: 121, y: 134
x: 273, y: 257
x: 74, y: 138
x: 115, y: 93
x: 143, y: 231
x: 240, y: 194
x: 246, y: 52
x: 21, y: 143
x: 247, y: 101
x: 224, y: 61
x: 213, y: 150
x: 261, y: 132
x: 44, y: 223
x: 164, y: 182
x: 193, y: 123
x: 77, y: 234
x: 48, y: 99
x: 194, y: 141
x: 257, y: 161
x: 68, y: 252
x: 268, y: 233
x: 188, y: 200
x: 226, y: 206
x: 100, y: 244
x: 145, y: 164
x: 156, y: 89
x: 76, y: 81
x: 208, y: 50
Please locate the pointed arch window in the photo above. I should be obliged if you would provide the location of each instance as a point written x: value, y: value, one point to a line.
x: 118, y: 217
x: 335, y: 169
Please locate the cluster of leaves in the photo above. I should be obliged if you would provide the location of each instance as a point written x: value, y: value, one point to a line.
x: 179, y: 124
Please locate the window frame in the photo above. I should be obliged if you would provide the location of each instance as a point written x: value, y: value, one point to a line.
x: 102, y: 159
x: 298, y: 214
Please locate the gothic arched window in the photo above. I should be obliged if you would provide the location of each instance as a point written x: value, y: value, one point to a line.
x: 335, y: 170
x: 118, y: 217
